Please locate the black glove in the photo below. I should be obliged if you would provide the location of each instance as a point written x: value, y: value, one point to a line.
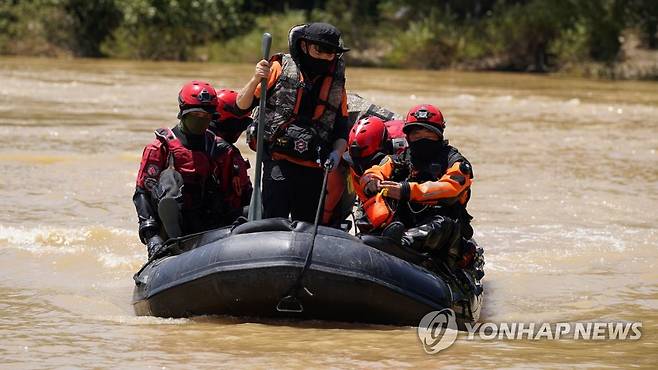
x: 154, y: 246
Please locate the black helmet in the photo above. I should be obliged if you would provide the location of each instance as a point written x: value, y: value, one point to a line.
x: 324, y: 34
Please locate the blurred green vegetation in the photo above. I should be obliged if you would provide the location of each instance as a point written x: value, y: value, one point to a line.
x: 517, y: 35
x: 246, y: 47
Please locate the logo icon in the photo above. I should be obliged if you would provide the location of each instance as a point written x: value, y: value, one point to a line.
x: 301, y: 146
x: 437, y: 330
x: 152, y: 170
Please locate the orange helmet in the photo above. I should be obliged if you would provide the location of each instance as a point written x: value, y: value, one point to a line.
x: 427, y: 116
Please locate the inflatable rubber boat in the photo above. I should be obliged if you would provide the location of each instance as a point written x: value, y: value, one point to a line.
x: 263, y: 269
x: 276, y: 268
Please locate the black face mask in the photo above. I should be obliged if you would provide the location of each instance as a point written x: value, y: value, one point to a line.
x: 190, y: 141
x: 313, y: 66
x: 425, y: 151
x: 195, y: 125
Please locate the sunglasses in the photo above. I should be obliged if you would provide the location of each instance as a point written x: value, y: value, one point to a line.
x: 324, y: 49
x: 200, y: 114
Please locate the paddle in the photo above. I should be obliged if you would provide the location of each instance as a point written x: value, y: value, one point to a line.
x: 255, y: 206
x: 290, y: 303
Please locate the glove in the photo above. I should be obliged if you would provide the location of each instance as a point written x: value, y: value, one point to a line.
x: 154, y: 246
x: 332, y: 161
x: 372, y: 187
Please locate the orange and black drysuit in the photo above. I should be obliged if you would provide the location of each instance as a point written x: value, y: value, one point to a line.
x: 433, y: 200
x: 195, y: 175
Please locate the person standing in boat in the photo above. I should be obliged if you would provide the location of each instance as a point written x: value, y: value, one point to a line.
x: 418, y: 198
x: 179, y: 182
x: 306, y: 118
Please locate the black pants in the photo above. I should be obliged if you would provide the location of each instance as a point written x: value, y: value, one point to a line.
x: 435, y: 233
x: 290, y: 189
x: 177, y: 219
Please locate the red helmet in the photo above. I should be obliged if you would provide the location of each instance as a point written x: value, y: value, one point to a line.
x: 229, y: 121
x: 226, y: 105
x: 367, y: 137
x: 427, y: 116
x: 394, y: 128
x: 396, y: 135
x: 197, y: 96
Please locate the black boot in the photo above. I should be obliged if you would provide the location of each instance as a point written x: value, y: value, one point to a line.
x: 394, y: 231
x: 433, y: 236
x: 454, y: 248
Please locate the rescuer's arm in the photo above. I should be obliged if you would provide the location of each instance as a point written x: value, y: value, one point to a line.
x: 152, y: 164
x: 447, y: 189
x: 246, y: 95
x: 371, y: 179
x: 249, y: 96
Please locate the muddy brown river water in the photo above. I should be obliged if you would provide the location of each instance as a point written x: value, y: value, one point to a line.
x: 565, y: 204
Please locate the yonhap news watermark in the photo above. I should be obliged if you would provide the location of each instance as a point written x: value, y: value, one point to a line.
x: 438, y: 330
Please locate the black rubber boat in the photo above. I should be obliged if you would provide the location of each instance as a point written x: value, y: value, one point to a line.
x: 247, y: 270
x: 264, y: 269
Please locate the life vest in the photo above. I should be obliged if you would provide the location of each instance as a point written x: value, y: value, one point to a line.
x: 229, y: 167
x: 378, y: 211
x: 286, y: 132
x: 194, y: 166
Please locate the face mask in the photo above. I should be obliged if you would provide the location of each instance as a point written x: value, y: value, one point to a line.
x: 425, y: 150
x: 195, y: 124
x: 314, y: 66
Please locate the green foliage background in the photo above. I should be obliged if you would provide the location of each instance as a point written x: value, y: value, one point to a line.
x: 519, y: 35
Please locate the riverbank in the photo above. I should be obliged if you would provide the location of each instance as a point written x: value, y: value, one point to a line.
x: 634, y: 63
x: 603, y: 40
x: 639, y: 64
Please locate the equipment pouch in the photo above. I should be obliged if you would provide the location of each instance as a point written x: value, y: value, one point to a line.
x: 379, y: 213
x: 300, y: 141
